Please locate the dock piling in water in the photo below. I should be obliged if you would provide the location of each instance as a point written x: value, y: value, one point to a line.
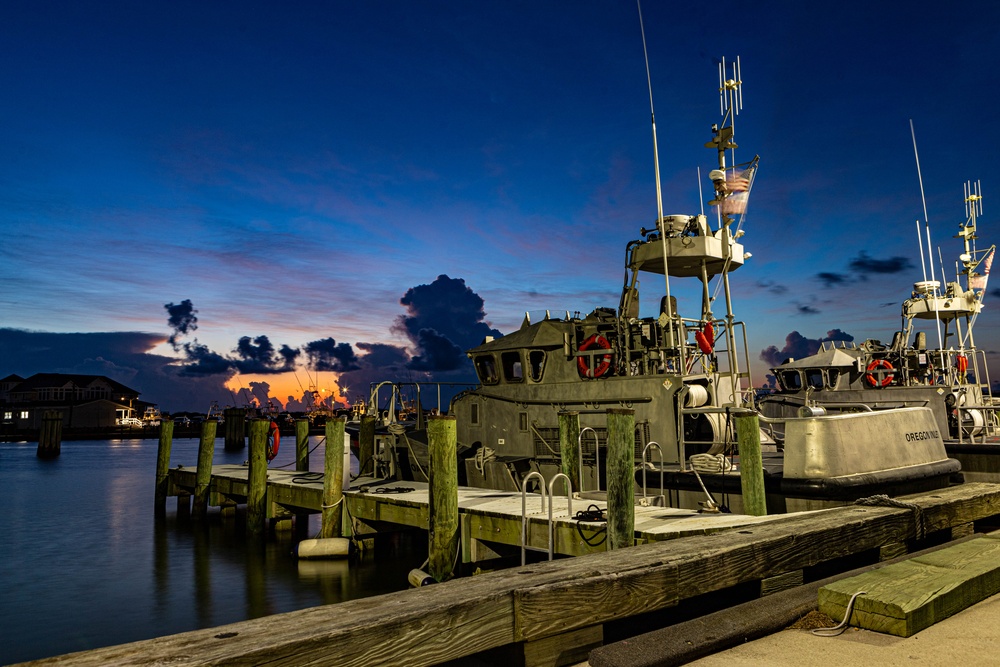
x: 257, y: 479
x: 50, y: 437
x: 569, y: 435
x: 333, y: 479
x: 162, y: 466
x: 302, y: 445
x: 206, y: 452
x: 751, y: 465
x: 443, y: 501
x: 366, y: 445
x: 236, y: 420
x: 621, y: 478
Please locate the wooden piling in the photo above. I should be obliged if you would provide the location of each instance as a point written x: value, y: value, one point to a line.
x: 302, y: 445
x: 206, y: 452
x: 333, y: 479
x: 621, y: 477
x: 235, y: 419
x: 366, y: 445
x: 257, y: 479
x: 50, y: 436
x: 162, y: 466
x: 569, y: 446
x: 443, y: 501
x: 751, y: 465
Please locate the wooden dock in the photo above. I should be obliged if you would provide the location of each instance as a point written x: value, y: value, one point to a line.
x: 489, y: 521
x: 552, y: 613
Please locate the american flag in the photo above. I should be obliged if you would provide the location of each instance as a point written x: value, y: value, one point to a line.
x: 979, y: 281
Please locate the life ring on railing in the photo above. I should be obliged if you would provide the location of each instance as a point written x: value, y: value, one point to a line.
x: 706, y: 338
x: 273, y: 441
x: 880, y: 367
x: 605, y: 363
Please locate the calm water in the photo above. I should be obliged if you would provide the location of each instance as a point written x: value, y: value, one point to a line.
x: 83, y: 564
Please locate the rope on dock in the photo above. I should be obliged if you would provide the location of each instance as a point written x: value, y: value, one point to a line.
x: 839, y: 629
x: 882, y: 500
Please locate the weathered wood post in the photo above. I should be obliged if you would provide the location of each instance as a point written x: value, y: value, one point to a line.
x: 301, y: 445
x: 162, y: 466
x: 257, y: 479
x: 203, y: 477
x: 333, y: 479
x: 443, y: 501
x: 366, y: 445
x: 569, y: 446
x: 50, y: 436
x: 236, y: 420
x: 621, y: 478
x: 751, y: 464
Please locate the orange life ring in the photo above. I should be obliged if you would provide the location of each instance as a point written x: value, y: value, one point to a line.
x: 886, y: 376
x: 273, y: 441
x: 962, y: 363
x: 601, y: 368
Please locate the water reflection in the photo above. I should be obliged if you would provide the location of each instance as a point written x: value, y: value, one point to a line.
x: 83, y: 564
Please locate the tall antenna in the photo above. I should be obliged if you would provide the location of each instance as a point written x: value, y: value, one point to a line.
x: 927, y: 228
x: 656, y: 166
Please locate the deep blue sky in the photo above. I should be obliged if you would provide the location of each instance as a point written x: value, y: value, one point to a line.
x: 294, y: 169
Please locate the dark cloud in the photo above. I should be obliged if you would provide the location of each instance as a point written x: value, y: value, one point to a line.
x: 259, y: 356
x: 182, y: 320
x: 772, y: 287
x: 202, y: 361
x: 806, y: 309
x: 832, y: 279
x: 329, y: 355
x: 443, y: 320
x: 798, y: 346
x: 864, y: 265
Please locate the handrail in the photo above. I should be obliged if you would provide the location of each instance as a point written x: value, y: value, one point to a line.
x: 649, y: 444
x: 524, y: 511
x: 597, y: 455
x: 569, y: 508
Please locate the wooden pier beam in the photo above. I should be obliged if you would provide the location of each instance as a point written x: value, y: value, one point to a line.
x: 50, y: 436
x: 751, y: 465
x: 443, y: 501
x: 621, y: 478
x: 569, y: 446
x: 333, y: 479
x: 366, y: 445
x: 162, y: 466
x: 206, y: 453
x: 257, y: 479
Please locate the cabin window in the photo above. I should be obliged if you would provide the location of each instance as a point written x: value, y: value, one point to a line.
x: 474, y: 414
x: 536, y: 364
x: 486, y: 369
x: 512, y: 371
x: 832, y: 376
x: 8, y: 416
x: 814, y: 378
x: 522, y: 419
x: 24, y: 414
x: 790, y: 380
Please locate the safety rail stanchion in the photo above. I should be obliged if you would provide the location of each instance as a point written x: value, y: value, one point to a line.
x: 524, y: 511
x: 597, y: 455
x: 552, y: 498
x: 644, y: 449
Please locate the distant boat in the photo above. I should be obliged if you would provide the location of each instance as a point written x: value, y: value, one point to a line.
x: 940, y: 369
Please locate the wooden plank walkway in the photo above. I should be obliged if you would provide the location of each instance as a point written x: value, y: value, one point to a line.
x: 486, y: 517
x: 549, y: 604
x: 904, y: 598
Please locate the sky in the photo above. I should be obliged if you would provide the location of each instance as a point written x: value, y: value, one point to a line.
x: 207, y: 199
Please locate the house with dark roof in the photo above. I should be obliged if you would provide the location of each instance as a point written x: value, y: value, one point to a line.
x: 86, y: 401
